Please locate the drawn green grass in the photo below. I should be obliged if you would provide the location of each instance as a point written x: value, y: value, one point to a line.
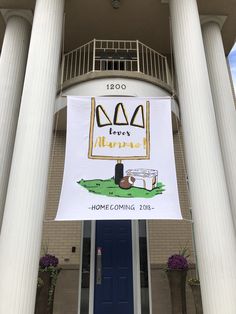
x: 109, y: 188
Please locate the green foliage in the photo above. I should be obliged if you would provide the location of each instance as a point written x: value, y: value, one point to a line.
x: 184, y: 251
x: 109, y: 188
x: 40, y: 282
x: 53, y: 272
x: 194, y: 281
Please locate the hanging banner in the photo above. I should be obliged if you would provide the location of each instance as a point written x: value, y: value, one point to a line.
x: 119, y: 160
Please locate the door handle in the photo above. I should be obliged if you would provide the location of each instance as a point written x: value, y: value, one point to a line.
x: 99, y: 266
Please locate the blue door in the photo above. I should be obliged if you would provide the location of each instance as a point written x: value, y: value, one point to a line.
x: 113, y: 271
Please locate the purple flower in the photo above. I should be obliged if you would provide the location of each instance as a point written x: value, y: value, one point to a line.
x: 48, y: 260
x: 178, y: 262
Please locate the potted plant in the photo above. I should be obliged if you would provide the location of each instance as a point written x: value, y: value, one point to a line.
x: 194, y: 284
x: 177, y: 267
x: 48, y: 273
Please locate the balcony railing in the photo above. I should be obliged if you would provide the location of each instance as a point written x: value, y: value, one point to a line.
x: 115, y: 55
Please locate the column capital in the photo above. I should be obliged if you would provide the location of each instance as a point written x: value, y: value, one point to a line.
x: 219, y: 19
x: 26, y: 14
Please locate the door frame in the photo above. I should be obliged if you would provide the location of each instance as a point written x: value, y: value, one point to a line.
x: 136, y: 267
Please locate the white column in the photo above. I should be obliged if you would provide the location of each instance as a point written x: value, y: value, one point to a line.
x: 223, y: 101
x: 12, y: 70
x: 214, y: 231
x: 23, y: 217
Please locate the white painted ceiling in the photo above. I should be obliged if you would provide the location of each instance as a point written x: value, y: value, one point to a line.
x: 146, y: 20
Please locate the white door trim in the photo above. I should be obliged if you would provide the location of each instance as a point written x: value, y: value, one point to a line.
x: 136, y: 267
x: 92, y: 266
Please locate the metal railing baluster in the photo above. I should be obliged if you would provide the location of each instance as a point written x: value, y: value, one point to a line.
x: 67, y: 67
x: 162, y: 70
x: 159, y: 68
x: 94, y: 54
x: 88, y: 58
x: 83, y: 59
x: 155, y: 66
x: 134, y: 56
x: 143, y: 59
x: 147, y: 61
x: 79, y: 67
x: 75, y: 69
x: 137, y: 54
x: 151, y: 62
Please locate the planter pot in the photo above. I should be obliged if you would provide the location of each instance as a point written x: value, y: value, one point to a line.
x: 195, y: 287
x: 177, y: 284
x: 41, y: 305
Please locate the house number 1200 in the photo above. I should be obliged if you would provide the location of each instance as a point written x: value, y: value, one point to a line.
x: 116, y: 86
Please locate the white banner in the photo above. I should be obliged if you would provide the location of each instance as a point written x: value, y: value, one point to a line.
x: 119, y: 160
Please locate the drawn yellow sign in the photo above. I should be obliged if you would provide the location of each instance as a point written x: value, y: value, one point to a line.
x: 119, y: 131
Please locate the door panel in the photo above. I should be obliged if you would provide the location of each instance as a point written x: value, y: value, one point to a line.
x: 115, y: 293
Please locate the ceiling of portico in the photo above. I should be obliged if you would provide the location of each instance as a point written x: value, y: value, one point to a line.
x: 146, y: 20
